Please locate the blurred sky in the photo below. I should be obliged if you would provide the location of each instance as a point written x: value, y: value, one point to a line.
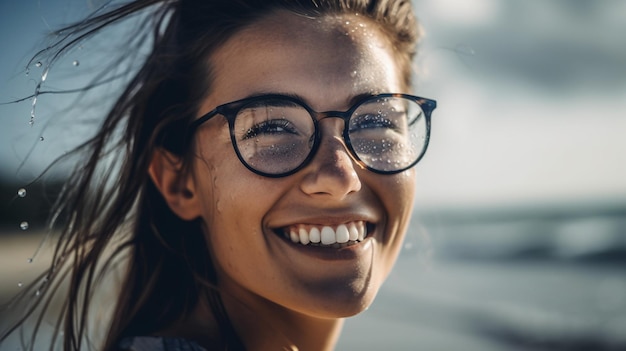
x: 532, y: 98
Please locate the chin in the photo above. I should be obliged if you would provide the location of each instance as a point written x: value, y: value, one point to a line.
x: 340, y: 300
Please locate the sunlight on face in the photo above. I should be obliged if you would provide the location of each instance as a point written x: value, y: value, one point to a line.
x: 262, y: 232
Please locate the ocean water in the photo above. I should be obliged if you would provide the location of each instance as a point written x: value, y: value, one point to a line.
x: 547, y: 279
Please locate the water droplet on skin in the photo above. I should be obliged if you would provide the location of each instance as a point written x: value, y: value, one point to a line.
x: 75, y: 63
x: 24, y: 225
x: 38, y: 64
x: 21, y: 192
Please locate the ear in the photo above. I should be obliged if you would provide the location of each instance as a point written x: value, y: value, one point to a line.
x: 177, y: 188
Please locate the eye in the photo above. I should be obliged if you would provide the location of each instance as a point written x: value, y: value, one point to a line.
x: 371, y: 121
x: 270, y: 127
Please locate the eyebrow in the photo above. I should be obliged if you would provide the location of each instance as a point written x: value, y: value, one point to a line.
x: 299, y: 97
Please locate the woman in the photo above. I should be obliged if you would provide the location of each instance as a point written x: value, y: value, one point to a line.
x: 249, y: 218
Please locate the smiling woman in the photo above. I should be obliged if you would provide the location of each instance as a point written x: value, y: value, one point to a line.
x: 248, y: 218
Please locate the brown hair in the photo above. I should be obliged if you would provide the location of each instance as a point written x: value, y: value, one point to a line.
x: 167, y: 273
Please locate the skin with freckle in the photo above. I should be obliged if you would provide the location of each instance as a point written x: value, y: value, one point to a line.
x: 315, y: 59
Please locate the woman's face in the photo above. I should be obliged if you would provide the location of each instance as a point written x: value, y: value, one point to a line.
x: 248, y: 218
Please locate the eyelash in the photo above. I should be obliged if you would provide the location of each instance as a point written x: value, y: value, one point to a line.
x: 377, y: 122
x: 269, y: 127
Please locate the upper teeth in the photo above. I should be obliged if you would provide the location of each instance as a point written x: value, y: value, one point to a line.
x: 326, y: 235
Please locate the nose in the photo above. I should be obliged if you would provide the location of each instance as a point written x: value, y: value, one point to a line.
x: 332, y: 172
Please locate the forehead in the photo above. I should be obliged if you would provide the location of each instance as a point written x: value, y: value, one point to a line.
x: 323, y: 59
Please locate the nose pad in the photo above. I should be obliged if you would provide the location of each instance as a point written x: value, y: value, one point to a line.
x: 332, y: 171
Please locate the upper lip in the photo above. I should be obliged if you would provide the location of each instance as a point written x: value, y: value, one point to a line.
x: 325, y: 218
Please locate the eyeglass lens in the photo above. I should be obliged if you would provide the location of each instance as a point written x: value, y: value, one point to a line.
x: 275, y: 136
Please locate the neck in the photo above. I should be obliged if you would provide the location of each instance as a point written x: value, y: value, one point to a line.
x: 263, y: 325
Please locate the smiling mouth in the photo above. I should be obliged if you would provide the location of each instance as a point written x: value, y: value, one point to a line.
x: 343, y: 235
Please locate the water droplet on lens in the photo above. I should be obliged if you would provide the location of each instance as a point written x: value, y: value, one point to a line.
x: 38, y: 64
x: 27, y: 71
x: 75, y: 63
x: 21, y: 192
x: 29, y: 260
x: 31, y: 122
x: 41, y: 138
x: 24, y: 225
x: 37, y: 293
x: 19, y: 285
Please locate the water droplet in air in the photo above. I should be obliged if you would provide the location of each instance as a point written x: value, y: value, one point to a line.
x: 75, y: 63
x: 38, y: 64
x: 19, y: 285
x: 24, y: 225
x: 21, y: 192
x: 44, y: 76
x: 465, y: 50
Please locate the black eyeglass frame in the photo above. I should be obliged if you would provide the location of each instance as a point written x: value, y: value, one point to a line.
x: 230, y: 111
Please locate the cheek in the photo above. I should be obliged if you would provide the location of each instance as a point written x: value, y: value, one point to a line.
x: 397, y: 195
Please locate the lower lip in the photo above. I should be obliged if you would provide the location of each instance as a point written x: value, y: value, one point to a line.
x: 351, y: 252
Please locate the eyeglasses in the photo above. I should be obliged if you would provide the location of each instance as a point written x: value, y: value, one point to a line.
x: 277, y: 135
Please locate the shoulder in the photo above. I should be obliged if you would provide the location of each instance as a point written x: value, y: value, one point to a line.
x: 157, y: 343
